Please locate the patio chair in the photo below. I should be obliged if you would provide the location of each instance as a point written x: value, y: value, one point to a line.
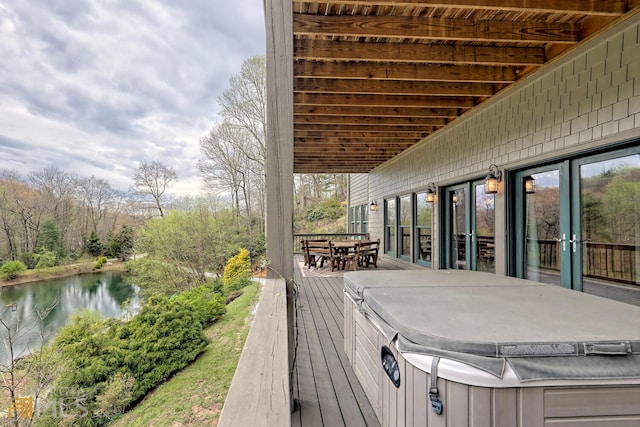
x: 367, y: 252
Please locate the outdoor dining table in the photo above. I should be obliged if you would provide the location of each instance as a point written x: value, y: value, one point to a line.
x: 342, y: 248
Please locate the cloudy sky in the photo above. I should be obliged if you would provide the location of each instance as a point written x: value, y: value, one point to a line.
x: 95, y: 86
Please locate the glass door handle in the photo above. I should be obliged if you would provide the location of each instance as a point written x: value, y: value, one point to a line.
x: 574, y: 242
x: 563, y: 240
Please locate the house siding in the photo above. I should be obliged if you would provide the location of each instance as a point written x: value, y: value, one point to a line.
x: 358, y: 189
x: 587, y: 100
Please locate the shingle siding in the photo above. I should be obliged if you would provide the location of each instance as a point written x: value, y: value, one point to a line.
x: 579, y: 101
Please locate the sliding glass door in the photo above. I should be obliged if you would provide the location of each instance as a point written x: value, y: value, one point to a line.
x: 470, y: 225
x: 605, y: 239
x: 577, y: 224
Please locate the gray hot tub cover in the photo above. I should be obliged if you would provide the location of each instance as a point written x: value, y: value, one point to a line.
x: 484, y: 320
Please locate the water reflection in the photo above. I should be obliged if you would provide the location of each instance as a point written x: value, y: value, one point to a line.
x: 103, y: 292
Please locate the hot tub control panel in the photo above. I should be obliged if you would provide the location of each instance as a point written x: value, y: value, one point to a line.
x: 390, y: 365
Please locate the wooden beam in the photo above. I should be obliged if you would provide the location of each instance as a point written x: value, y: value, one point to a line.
x: 426, y: 28
x: 355, y: 110
x: 297, y: 168
x: 383, y: 100
x: 365, y: 142
x: 364, y: 128
x: 369, y: 120
x: 596, y: 7
x: 405, y: 71
x: 355, y: 160
x: 335, y: 50
x: 395, y: 87
x: 352, y: 147
x: 350, y: 135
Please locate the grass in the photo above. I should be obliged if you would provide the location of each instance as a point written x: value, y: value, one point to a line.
x: 81, y: 267
x: 195, y: 395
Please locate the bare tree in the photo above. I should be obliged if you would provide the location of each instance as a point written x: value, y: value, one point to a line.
x: 21, y: 210
x: 225, y: 164
x: 97, y: 197
x: 58, y: 191
x: 25, y: 336
x: 153, y: 179
x: 244, y: 104
x: 243, y: 107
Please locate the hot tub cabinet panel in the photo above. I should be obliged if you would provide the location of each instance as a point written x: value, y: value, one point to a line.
x: 504, y: 402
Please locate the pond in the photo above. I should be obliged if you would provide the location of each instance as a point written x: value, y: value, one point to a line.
x: 103, y: 292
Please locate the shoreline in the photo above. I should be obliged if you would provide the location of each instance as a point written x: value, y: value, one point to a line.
x: 65, y: 271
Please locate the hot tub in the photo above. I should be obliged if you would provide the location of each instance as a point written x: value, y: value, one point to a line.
x: 505, y: 351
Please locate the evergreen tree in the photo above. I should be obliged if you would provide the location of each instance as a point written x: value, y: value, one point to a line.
x: 50, y: 237
x: 94, y: 245
x: 121, y: 245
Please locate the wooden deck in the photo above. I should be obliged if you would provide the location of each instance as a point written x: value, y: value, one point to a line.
x: 325, y: 388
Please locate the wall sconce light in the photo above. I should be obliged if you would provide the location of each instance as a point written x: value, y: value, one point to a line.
x: 492, y: 180
x: 431, y: 193
x: 373, y: 207
x: 529, y: 184
x: 454, y: 198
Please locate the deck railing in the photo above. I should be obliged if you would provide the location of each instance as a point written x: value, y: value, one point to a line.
x: 607, y: 261
x: 259, y: 393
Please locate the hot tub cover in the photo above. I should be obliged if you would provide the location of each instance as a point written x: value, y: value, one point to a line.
x: 485, y: 320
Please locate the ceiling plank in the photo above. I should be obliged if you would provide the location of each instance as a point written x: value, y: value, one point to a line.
x: 390, y: 87
x: 356, y: 142
x: 597, y: 7
x: 416, y: 53
x: 420, y: 27
x: 405, y: 71
x: 354, y: 110
x: 347, y: 146
x: 383, y: 100
x: 369, y: 120
x: 347, y: 135
x: 364, y: 128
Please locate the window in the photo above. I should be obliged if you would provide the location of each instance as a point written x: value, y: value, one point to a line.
x: 390, y: 215
x: 423, y: 229
x: 404, y: 222
x: 358, y: 218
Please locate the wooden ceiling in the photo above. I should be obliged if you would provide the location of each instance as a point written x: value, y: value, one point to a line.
x: 372, y: 78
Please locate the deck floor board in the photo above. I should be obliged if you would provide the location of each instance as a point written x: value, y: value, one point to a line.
x: 325, y: 386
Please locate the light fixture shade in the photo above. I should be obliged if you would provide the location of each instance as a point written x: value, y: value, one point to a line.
x: 491, y: 185
x: 373, y: 206
x: 492, y: 180
x: 529, y: 184
x: 431, y: 193
x: 431, y: 197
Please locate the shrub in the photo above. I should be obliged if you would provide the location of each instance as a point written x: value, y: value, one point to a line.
x: 100, y: 262
x: 45, y: 258
x: 12, y: 269
x: 163, y: 338
x: 109, y: 364
x: 237, y: 272
x: 207, y: 305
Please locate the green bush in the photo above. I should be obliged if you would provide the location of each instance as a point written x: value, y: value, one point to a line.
x: 111, y: 362
x: 45, y: 258
x: 100, y: 262
x: 12, y: 269
x: 208, y: 305
x: 163, y: 338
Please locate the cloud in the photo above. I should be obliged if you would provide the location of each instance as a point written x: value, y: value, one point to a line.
x: 95, y: 86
